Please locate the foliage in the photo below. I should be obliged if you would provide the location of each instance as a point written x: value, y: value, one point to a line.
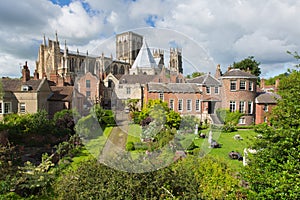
x: 188, y: 123
x: 173, y: 119
x: 64, y: 120
x: 88, y: 127
x: 248, y: 63
x: 272, y: 80
x: 211, y: 179
x: 230, y: 119
x: 273, y: 172
x: 130, y: 146
x: 132, y: 105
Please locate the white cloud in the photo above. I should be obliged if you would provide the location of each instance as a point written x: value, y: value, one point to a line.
x: 224, y: 31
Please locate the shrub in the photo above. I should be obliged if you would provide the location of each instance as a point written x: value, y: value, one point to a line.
x: 130, y: 146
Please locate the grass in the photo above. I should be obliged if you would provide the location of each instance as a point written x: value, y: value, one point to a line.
x: 230, y: 144
x: 134, y: 133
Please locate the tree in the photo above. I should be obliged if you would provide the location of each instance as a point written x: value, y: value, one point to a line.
x: 196, y: 74
x: 248, y: 64
x: 273, y: 173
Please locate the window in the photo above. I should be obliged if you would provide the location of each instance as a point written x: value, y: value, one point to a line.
x: 161, y: 96
x: 242, y: 121
x: 5, y: 107
x: 207, y: 90
x: 232, y: 85
x: 265, y: 119
x: 128, y: 90
x: 242, y: 107
x: 232, y: 106
x: 180, y: 105
x: 88, y: 83
x: 171, y: 105
x: 242, y: 85
x: 22, y: 107
x: 88, y: 94
x: 266, y: 107
x: 197, y: 105
x: 250, y: 86
x: 217, y: 90
x: 250, y: 107
x: 189, y: 105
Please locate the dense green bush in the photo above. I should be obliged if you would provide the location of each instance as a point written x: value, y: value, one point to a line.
x: 130, y: 146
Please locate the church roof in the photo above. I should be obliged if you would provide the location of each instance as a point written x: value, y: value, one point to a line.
x: 173, y: 87
x: 206, y: 79
x: 238, y: 73
x: 145, y: 58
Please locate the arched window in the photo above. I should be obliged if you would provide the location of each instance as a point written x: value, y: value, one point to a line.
x: 115, y: 69
x: 122, y: 70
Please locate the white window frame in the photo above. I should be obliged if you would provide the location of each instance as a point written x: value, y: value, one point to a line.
x: 3, y: 107
x: 232, y: 83
x: 242, y: 120
x: 197, y: 105
x: 250, y: 86
x: 207, y: 90
x: 161, y: 96
x: 250, y: 107
x: 242, y: 107
x: 242, y: 84
x: 216, y: 89
x: 171, y: 104
x: 232, y: 106
x: 189, y: 105
x: 22, y: 107
x: 180, y: 105
x: 128, y: 90
x: 266, y: 107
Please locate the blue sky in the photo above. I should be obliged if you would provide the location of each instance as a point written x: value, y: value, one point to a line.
x: 211, y: 31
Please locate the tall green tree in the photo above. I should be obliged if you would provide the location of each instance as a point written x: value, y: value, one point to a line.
x: 273, y: 173
x: 248, y: 63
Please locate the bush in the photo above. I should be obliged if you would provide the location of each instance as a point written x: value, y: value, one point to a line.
x: 228, y: 128
x: 130, y: 146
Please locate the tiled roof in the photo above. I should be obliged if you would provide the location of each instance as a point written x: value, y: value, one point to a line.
x: 15, y: 85
x: 173, y: 87
x: 267, y: 97
x: 132, y: 79
x: 238, y: 73
x: 206, y: 79
x: 64, y: 93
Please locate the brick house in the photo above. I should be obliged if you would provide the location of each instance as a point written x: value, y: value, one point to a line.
x: 264, y: 103
x: 238, y: 93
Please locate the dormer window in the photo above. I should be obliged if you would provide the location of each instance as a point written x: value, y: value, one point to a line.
x: 26, y: 88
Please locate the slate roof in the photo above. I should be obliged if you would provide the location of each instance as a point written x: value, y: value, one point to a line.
x: 173, y: 87
x: 64, y: 93
x: 133, y: 79
x: 206, y: 79
x: 145, y: 58
x: 15, y: 85
x: 238, y: 73
x: 267, y: 97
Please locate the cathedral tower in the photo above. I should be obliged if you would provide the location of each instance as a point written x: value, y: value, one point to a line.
x: 176, y: 60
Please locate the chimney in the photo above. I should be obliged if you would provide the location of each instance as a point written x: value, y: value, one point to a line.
x: 36, y: 75
x: 25, y: 73
x: 229, y: 68
x: 262, y: 83
x: 277, y: 85
x: 218, y: 72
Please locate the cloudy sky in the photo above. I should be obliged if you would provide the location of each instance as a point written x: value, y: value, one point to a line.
x: 210, y: 32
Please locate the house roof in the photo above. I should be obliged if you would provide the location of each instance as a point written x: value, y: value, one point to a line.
x: 145, y: 58
x: 15, y: 85
x: 133, y: 79
x: 206, y: 79
x: 63, y: 93
x: 173, y: 87
x: 267, y: 97
x: 238, y: 73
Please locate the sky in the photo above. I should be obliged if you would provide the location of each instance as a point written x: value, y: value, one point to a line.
x: 209, y: 32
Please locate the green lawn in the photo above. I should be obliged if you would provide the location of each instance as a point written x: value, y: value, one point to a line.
x: 229, y: 144
x: 134, y: 133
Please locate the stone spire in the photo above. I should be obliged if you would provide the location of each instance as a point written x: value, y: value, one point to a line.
x: 56, y: 38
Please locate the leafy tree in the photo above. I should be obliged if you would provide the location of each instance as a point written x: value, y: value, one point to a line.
x: 273, y: 172
x: 248, y: 63
x: 173, y: 119
x: 196, y: 74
